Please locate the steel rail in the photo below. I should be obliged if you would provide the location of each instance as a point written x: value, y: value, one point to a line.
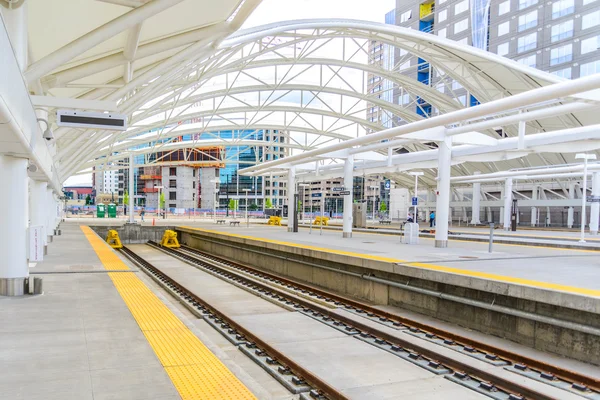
x: 516, y: 358
x: 482, y: 375
x: 296, y: 368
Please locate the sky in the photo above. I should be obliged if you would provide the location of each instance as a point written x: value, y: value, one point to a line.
x: 282, y: 10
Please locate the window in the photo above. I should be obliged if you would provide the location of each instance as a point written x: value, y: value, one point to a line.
x: 526, y: 3
x: 589, y: 68
x: 502, y: 49
x: 172, y: 195
x: 461, y: 7
x: 193, y: 184
x: 442, y: 33
x: 527, y: 42
x: 562, y: 31
x: 503, y: 28
x: 561, y: 54
x: 591, y: 19
x: 461, y: 26
x: 171, y: 205
x: 563, y: 73
x: 590, y: 44
x: 173, y: 171
x: 504, y: 7
x: 528, y: 20
x: 405, y: 16
x: 442, y: 15
x: 530, y: 61
x: 562, y: 7
x: 172, y: 183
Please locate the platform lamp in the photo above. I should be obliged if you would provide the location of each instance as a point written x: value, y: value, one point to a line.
x: 585, y: 157
x: 247, y: 220
x: 215, y: 181
x: 416, y: 174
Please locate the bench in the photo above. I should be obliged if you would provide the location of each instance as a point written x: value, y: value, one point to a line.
x: 221, y: 221
x: 321, y: 221
x: 234, y: 223
x: 385, y: 221
x: 274, y: 220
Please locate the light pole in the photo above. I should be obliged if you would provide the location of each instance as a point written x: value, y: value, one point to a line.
x: 215, y: 182
x: 416, y: 174
x: 585, y: 158
x: 160, y: 188
x: 247, y: 220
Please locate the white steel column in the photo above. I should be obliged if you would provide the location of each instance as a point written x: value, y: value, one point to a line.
x: 291, y: 191
x: 476, y: 202
x: 443, y: 198
x: 15, y: 20
x: 49, y: 215
x: 14, y: 268
x: 131, y: 191
x: 348, y: 186
x: 534, y: 196
x: 570, y: 211
x: 595, y: 206
x: 507, y: 202
x: 38, y: 207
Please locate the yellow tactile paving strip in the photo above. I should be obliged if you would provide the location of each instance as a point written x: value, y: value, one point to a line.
x: 458, y: 271
x: 194, y: 370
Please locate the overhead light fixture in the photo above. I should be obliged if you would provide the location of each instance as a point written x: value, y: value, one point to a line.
x: 48, y: 134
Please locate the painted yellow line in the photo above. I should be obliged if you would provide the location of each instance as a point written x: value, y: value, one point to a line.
x: 194, y: 370
x: 458, y: 271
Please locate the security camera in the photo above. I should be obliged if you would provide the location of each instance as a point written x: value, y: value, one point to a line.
x: 48, y: 134
x: 32, y: 168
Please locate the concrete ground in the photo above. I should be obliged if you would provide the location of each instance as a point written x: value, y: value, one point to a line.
x: 79, y: 340
x: 569, y: 268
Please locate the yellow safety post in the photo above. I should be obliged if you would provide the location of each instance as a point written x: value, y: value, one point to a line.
x: 170, y: 239
x: 113, y: 239
x: 273, y: 220
x: 321, y: 221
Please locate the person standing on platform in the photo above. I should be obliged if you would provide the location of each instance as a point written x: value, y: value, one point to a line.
x: 142, y: 213
x: 432, y: 219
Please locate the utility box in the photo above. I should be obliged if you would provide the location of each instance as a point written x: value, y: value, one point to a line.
x: 359, y: 215
x: 411, y: 233
x: 399, y: 204
x: 112, y: 210
x: 101, y: 210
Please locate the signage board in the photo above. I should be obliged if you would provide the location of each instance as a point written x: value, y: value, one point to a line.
x: 36, y: 243
x: 317, y: 195
x: 345, y: 193
x: 387, y: 185
x: 415, y: 201
x: 593, y: 199
x: 338, y: 189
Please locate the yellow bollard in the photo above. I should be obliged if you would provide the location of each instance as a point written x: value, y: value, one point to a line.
x: 273, y: 220
x: 113, y: 239
x: 170, y: 239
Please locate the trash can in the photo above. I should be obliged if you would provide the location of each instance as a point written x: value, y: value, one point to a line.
x: 100, y: 210
x: 112, y: 210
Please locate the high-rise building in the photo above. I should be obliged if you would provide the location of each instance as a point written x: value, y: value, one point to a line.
x: 558, y: 36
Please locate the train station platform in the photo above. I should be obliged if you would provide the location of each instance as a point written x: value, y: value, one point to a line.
x: 102, y: 330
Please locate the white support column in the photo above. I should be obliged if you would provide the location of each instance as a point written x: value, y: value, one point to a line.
x: 570, y: 211
x: 38, y: 207
x: 443, y: 198
x: 291, y: 191
x: 348, y: 186
x: 476, y: 202
x: 534, y: 196
x: 507, y: 202
x: 595, y: 206
x: 14, y: 268
x: 131, y: 189
x: 15, y: 20
x: 49, y: 215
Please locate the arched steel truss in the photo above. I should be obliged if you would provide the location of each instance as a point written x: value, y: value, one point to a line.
x: 286, y: 77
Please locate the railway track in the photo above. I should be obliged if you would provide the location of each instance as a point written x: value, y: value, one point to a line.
x: 321, y: 305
